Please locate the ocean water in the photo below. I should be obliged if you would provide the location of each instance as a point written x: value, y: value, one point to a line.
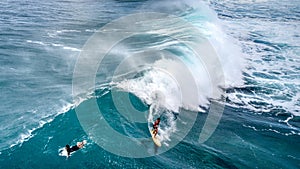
x: 237, y: 108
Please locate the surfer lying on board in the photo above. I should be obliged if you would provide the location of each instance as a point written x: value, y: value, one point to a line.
x: 78, y: 146
x: 155, y: 126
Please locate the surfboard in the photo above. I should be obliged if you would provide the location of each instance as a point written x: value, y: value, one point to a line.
x: 155, y: 139
x: 63, y: 152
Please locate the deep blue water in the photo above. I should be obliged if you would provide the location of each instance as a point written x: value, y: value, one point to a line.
x: 143, y: 76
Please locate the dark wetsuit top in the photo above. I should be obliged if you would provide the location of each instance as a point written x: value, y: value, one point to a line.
x: 73, y: 148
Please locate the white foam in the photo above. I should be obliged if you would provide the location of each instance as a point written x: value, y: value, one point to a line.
x: 67, y: 30
x: 23, y: 137
x: 271, y: 130
x: 55, y: 45
x: 71, y: 48
x: 166, y: 86
x: 36, y: 42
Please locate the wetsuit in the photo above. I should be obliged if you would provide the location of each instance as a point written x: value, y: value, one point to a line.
x: 73, y: 148
x: 155, y: 125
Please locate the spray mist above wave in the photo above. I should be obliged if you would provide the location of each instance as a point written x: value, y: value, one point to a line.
x: 206, y: 22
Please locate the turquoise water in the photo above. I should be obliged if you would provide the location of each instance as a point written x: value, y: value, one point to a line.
x: 257, y: 43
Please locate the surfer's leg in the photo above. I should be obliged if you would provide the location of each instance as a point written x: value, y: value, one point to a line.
x: 68, y: 149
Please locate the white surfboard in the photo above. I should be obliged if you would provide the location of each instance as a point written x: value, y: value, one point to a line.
x: 63, y: 152
x: 155, y: 139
